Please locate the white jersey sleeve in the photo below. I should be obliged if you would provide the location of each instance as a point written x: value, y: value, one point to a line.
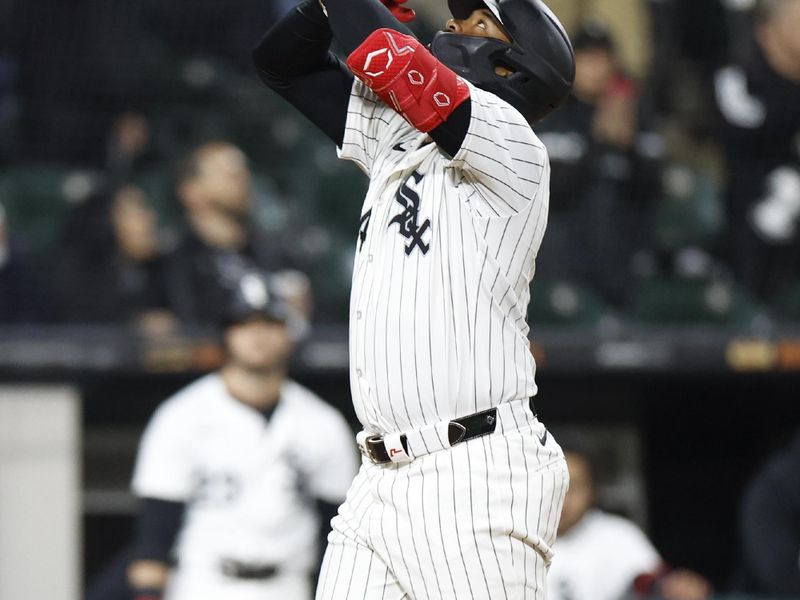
x: 330, y: 455
x: 370, y: 127
x: 164, y: 463
x: 501, y: 157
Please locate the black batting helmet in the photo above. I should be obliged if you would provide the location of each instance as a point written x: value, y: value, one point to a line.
x: 268, y: 296
x: 255, y: 297
x: 540, y: 55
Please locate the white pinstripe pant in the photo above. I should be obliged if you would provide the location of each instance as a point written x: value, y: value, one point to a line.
x: 476, y: 521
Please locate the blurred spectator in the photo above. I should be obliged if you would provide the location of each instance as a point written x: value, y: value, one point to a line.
x: 602, y: 171
x: 19, y: 295
x: 109, y: 262
x: 222, y: 244
x: 238, y: 472
x: 769, y: 526
x: 758, y: 98
x: 600, y: 556
x: 129, y: 147
x: 628, y: 21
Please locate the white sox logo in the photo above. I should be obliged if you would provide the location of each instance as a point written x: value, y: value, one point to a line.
x: 408, y: 220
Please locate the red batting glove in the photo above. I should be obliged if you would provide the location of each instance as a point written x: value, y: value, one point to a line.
x: 401, y: 13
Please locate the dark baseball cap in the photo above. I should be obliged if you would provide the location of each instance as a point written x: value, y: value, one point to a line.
x: 255, y: 297
x: 593, y: 35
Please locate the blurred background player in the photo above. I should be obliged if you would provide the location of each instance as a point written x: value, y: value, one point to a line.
x: 601, y: 556
x: 769, y: 526
x: 229, y: 470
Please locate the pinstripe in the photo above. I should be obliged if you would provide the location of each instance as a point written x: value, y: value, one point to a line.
x: 413, y: 345
x: 385, y: 582
x: 430, y: 340
x: 450, y: 277
x: 427, y: 535
x: 367, y: 577
x: 441, y: 528
x: 485, y: 441
x: 372, y: 356
x: 501, y: 182
x: 466, y: 293
x: 510, y: 487
x: 400, y: 544
x: 386, y: 379
x: 338, y: 564
x: 472, y: 521
x: 411, y: 520
x: 352, y: 572
x: 475, y: 368
x: 389, y: 554
x: 322, y: 583
x: 400, y: 338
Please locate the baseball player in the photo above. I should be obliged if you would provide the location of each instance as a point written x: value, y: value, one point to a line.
x: 461, y: 486
x: 230, y: 467
x: 602, y: 556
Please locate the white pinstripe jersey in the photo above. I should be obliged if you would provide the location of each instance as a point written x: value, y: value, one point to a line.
x: 248, y: 483
x: 444, y: 260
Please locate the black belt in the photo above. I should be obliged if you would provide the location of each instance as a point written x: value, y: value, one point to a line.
x: 458, y: 430
x: 240, y: 570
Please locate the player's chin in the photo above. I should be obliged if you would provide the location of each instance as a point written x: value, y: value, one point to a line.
x: 266, y: 363
x: 257, y: 364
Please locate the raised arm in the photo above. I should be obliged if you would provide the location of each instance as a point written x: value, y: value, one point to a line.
x: 294, y: 59
x: 354, y: 24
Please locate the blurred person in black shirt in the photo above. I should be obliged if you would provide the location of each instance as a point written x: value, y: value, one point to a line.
x: 110, y: 263
x: 21, y: 294
x: 769, y: 526
x: 759, y: 100
x: 599, y: 180
x: 222, y: 242
x: 129, y: 149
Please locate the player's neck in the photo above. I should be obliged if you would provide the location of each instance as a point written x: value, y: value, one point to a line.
x: 259, y: 389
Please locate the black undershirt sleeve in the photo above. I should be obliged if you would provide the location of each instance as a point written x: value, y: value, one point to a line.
x: 294, y: 59
x: 450, y: 135
x: 157, y: 529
